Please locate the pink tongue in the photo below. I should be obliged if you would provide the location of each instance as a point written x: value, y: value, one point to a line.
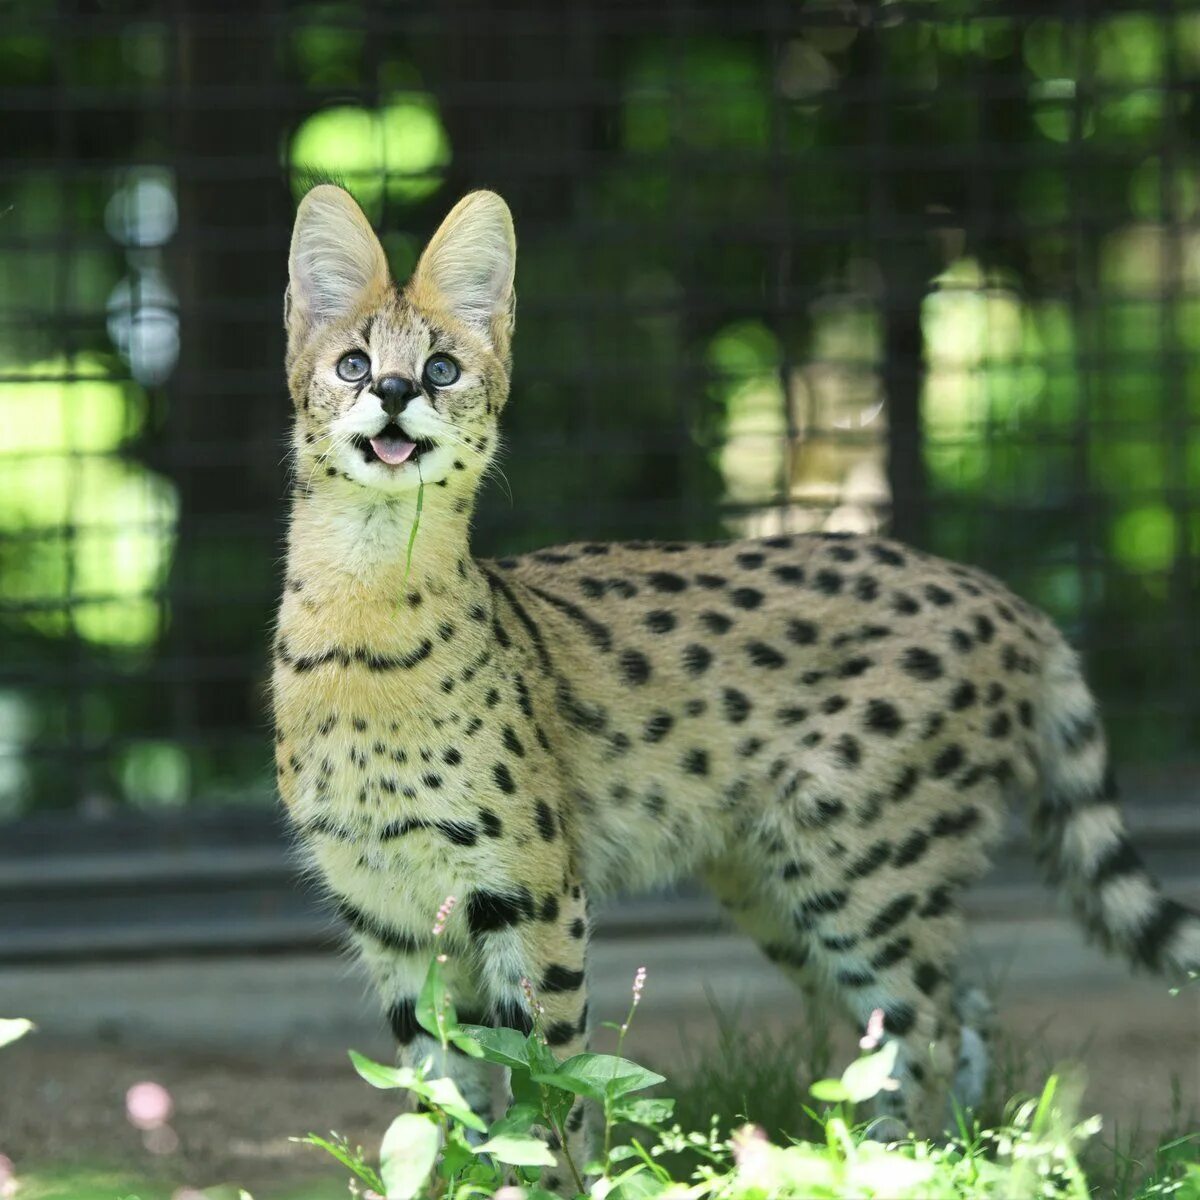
x: 392, y: 450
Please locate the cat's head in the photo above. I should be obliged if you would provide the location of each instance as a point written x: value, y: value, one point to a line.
x: 398, y: 386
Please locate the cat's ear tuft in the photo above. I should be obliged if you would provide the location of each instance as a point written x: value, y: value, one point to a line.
x: 336, y: 262
x: 469, y: 264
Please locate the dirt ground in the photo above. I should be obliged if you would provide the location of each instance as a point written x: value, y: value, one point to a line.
x: 62, y: 1102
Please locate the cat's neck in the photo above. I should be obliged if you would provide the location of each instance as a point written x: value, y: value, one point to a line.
x: 355, y: 564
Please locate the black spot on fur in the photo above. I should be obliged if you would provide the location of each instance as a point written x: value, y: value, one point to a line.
x: 827, y: 581
x: 503, y: 777
x: 792, y: 715
x: 511, y: 1014
x: 736, y: 705
x: 948, y: 761
x: 750, y: 559
x: 883, y: 717
x: 560, y: 1033
x: 695, y: 762
x: 938, y: 595
x: 491, y: 911
x: 891, y: 953
x: 762, y: 655
x: 855, y: 977
x: 746, y: 597
x: 1000, y: 725
x: 834, y: 704
x: 544, y: 816
x: 666, y: 581
x: 803, y: 633
x: 927, y: 977
x: 955, y: 824
x: 985, y: 629
x: 891, y: 915
x: 402, y: 1017
x: 848, y: 750
x: 921, y: 663
x: 715, y: 622
x: 866, y: 588
x: 492, y: 825
x: 912, y: 848
x: 886, y: 555
x: 657, y: 727
x: 963, y: 696
x: 635, y: 667
x: 904, y: 605
x: 787, y: 573
x: 558, y: 978
x: 870, y: 862
x: 696, y: 659
x: 898, y: 1017
x: 660, y: 621
x: 512, y: 743
x: 853, y: 667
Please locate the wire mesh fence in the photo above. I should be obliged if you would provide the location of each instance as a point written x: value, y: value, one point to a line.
x: 932, y: 267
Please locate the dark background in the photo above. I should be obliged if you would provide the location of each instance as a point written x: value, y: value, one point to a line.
x: 931, y: 268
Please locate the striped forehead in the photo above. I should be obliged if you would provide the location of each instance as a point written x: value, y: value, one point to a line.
x: 396, y: 334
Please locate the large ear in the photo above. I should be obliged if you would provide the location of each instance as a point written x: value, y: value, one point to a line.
x: 468, y: 266
x: 336, y: 260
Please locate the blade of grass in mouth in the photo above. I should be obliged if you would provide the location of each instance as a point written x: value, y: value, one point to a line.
x: 412, y: 533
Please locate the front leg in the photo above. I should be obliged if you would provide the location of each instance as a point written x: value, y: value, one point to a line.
x: 535, y: 941
x: 398, y: 973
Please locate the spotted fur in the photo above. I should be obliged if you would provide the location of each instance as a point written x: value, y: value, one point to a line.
x: 824, y: 728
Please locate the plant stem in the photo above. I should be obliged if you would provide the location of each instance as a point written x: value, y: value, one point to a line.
x: 561, y: 1133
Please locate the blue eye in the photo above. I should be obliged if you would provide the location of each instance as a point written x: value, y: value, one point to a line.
x: 353, y: 366
x: 441, y: 370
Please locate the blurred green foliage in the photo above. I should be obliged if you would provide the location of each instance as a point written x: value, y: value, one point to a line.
x: 724, y: 239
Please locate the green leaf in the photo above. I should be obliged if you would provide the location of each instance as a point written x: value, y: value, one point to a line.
x: 504, y: 1046
x: 412, y: 537
x: 462, y: 1041
x: 12, y: 1028
x: 541, y: 1057
x: 379, y: 1076
x: 409, y: 1150
x: 434, y: 1001
x: 518, y: 1119
x: 445, y: 1094
x: 518, y: 1150
x: 524, y: 1090
x: 349, y: 1159
x: 832, y: 1091
x: 636, y: 1184
x: 643, y: 1110
x: 599, y: 1076
x: 456, y: 1156
x: 868, y: 1076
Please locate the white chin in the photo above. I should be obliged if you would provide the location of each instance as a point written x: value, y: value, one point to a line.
x: 432, y: 466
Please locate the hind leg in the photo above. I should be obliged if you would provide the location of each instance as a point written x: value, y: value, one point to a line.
x: 736, y: 888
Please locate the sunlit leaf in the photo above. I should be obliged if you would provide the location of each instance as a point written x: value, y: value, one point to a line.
x: 445, y: 1094
x: 871, y: 1074
x: 409, y: 1150
x: 380, y: 1076
x: 518, y: 1150
x: 12, y: 1028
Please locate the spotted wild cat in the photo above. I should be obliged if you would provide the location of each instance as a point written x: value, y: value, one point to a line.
x: 826, y: 729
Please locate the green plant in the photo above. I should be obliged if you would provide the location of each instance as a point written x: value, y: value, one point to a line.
x: 448, y: 1152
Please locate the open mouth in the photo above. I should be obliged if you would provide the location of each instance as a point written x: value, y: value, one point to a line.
x: 392, y: 446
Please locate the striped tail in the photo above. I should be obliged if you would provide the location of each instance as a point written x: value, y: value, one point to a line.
x: 1081, y: 839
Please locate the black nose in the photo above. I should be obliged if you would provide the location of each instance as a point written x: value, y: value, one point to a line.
x: 394, y: 392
